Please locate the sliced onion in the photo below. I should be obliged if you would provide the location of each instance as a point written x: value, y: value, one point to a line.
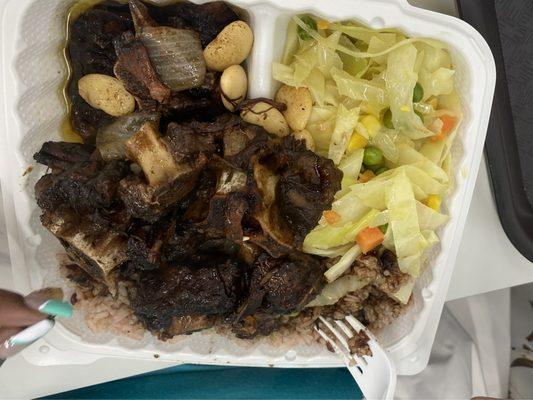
x: 111, y: 139
x: 335, y: 291
x: 176, y: 54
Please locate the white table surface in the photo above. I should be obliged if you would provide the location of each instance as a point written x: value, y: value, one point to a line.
x: 487, y: 261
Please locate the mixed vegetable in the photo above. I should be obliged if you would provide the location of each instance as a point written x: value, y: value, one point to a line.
x: 384, y: 108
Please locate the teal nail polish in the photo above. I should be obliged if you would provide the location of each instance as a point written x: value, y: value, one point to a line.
x: 15, y: 342
x: 57, y: 308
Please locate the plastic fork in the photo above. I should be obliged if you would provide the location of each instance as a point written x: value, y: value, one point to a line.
x: 375, y: 375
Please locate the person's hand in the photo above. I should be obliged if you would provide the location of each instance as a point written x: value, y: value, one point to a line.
x: 18, y: 313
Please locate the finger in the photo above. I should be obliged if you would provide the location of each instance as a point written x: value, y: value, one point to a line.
x: 7, y: 350
x: 49, y: 301
x: 14, y: 313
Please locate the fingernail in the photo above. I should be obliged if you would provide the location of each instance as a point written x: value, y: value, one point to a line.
x: 14, y: 342
x: 56, y: 308
x: 29, y: 335
x: 48, y: 301
x: 37, y: 298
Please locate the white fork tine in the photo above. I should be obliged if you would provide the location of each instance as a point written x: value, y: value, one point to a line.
x: 338, y: 335
x: 347, y: 331
x: 357, y: 326
x: 355, y: 323
x: 336, y: 347
x: 354, y: 358
x: 375, y: 375
x: 350, y: 334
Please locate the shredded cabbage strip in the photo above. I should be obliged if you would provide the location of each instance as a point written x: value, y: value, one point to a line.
x: 354, y: 72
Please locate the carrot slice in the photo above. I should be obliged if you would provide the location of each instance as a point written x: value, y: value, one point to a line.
x: 369, y: 238
x: 437, y: 138
x: 366, y: 176
x: 332, y: 217
x: 448, y: 123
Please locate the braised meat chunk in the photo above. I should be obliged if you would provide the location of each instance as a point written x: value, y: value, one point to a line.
x: 90, y: 50
x: 277, y: 288
x: 59, y: 156
x: 151, y: 202
x: 282, y: 285
x: 174, y: 204
x: 183, y: 290
x: 225, y: 217
x: 134, y: 68
x: 212, y: 217
x: 293, y: 284
x: 207, y: 19
x: 307, y: 186
x: 292, y: 187
x: 79, y: 178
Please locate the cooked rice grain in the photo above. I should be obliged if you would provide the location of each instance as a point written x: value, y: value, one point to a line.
x: 104, y: 313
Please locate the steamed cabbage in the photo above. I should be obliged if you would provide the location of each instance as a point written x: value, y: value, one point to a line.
x: 345, y: 123
x: 363, y: 82
x: 334, y: 291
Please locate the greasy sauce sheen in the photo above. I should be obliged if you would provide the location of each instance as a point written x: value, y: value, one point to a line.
x: 68, y: 134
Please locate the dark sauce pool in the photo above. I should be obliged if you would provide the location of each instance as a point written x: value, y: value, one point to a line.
x: 91, y: 27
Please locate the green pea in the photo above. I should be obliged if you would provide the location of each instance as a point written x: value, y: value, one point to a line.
x: 380, y: 170
x: 373, y: 156
x: 387, y: 119
x: 311, y: 23
x: 383, y: 228
x: 418, y: 93
x: 373, y: 168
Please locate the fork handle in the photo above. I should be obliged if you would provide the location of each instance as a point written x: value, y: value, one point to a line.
x: 375, y: 388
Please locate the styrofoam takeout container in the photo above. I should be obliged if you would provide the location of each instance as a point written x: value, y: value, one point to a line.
x: 33, y: 72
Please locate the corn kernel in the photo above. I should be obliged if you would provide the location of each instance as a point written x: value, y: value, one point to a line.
x: 405, y: 108
x: 322, y: 24
x: 371, y: 124
x: 434, y: 201
x: 357, y: 141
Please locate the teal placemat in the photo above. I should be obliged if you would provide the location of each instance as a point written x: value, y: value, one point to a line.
x: 206, y: 382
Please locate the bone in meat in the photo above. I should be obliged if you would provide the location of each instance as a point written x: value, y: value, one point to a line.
x: 97, y: 252
x: 148, y: 150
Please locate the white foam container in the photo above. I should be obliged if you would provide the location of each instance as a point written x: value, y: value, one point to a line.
x: 32, y: 72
